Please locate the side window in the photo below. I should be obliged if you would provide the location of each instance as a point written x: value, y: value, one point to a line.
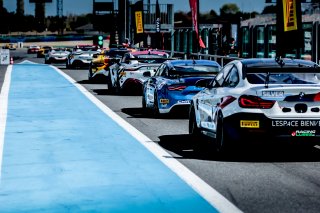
x: 232, y: 78
x: 160, y: 70
x: 220, y: 77
x: 165, y: 71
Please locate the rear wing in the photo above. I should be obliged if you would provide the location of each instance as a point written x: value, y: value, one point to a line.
x: 158, y: 60
x: 284, y: 69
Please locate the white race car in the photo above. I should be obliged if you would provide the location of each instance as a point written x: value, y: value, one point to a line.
x: 56, y: 55
x: 129, y: 73
x: 259, y: 99
x: 81, y: 56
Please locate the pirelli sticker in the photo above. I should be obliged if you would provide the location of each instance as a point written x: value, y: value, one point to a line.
x: 290, y: 15
x: 249, y: 124
x: 139, y: 22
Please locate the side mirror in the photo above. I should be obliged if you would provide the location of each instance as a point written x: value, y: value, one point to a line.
x: 147, y: 74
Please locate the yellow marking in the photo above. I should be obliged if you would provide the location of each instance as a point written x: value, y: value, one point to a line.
x: 164, y: 101
x: 249, y: 124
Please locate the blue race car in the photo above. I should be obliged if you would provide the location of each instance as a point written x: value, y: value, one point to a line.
x: 175, y: 83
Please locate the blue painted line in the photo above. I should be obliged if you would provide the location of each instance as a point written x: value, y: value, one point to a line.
x: 62, y: 153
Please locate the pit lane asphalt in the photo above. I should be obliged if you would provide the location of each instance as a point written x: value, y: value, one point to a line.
x: 266, y: 179
x: 51, y: 163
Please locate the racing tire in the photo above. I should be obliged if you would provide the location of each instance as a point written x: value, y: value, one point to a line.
x: 145, y: 110
x: 198, y: 140
x: 222, y: 141
x: 90, y: 73
x: 117, y: 88
x: 109, y: 83
x: 155, y: 110
x: 193, y: 128
x: 68, y: 66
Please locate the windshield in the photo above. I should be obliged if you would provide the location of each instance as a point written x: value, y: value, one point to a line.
x: 196, y: 69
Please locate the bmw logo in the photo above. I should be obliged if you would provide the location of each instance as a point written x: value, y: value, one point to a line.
x: 301, y: 95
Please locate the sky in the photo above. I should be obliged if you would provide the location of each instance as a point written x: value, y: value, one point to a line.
x: 85, y: 6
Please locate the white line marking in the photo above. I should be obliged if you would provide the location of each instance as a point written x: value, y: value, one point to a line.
x: 4, y: 109
x: 206, y: 191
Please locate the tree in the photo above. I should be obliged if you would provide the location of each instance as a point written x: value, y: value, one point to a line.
x: 228, y: 9
x: 271, y: 9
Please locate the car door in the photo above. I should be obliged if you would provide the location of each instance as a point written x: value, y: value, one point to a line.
x: 209, y: 99
x: 116, y: 67
x: 152, y: 83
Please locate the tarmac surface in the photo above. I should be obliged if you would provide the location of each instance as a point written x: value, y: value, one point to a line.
x: 63, y: 151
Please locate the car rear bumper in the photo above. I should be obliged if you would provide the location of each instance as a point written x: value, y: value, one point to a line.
x: 247, y: 125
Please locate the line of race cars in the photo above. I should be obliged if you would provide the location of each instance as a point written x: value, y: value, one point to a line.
x: 246, y: 99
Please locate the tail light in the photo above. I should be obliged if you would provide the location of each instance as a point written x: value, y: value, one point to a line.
x: 106, y: 60
x: 176, y: 88
x: 316, y: 97
x: 250, y: 101
x: 226, y: 101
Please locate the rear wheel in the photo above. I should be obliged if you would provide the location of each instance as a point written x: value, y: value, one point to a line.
x: 198, y: 140
x: 222, y: 141
x: 156, y: 112
x: 109, y: 83
x: 90, y: 72
x: 145, y: 110
x: 193, y: 128
x: 68, y: 66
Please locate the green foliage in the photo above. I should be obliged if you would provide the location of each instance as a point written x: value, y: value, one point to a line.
x: 229, y: 9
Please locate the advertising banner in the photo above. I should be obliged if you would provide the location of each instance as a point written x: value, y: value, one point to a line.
x: 139, y: 22
x: 194, y: 11
x: 289, y: 15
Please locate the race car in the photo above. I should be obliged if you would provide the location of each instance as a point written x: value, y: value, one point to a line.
x: 81, y: 56
x: 175, y: 83
x: 132, y: 76
x: 43, y: 51
x: 259, y: 99
x: 57, y: 55
x: 33, y: 49
x: 119, y: 76
x: 99, y: 66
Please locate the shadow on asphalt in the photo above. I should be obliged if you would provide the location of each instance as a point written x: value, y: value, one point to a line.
x: 188, y: 148
x: 140, y: 113
x: 91, y: 82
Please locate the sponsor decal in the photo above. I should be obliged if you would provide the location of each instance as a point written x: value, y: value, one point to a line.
x: 122, y: 73
x: 273, y: 93
x: 304, y: 133
x: 289, y: 15
x: 139, y: 22
x: 184, y: 102
x: 164, y: 101
x: 249, y: 124
x: 295, y: 123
